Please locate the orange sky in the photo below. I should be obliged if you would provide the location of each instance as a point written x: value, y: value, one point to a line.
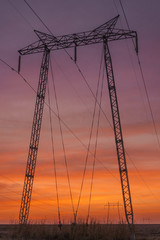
x: 144, y: 182
x: 76, y: 106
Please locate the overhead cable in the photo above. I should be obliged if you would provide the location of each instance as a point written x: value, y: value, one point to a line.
x: 143, y: 79
x: 66, y: 126
x: 95, y: 149
x: 62, y: 139
x: 53, y: 156
x: 77, y: 66
x: 90, y: 137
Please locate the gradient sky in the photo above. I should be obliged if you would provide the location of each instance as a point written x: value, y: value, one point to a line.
x: 76, y: 104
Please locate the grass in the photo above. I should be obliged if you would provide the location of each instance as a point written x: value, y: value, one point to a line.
x: 93, y: 231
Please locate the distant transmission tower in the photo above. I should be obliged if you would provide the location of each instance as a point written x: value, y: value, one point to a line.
x: 46, y: 43
x: 113, y: 204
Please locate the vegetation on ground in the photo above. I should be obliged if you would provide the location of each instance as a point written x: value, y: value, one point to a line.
x: 92, y: 231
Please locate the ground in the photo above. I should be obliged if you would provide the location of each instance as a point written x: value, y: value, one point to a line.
x: 79, y: 232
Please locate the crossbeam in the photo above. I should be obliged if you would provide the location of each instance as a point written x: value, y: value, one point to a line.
x: 107, y: 31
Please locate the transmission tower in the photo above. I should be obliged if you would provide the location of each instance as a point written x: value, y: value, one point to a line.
x: 116, y: 204
x: 103, y: 34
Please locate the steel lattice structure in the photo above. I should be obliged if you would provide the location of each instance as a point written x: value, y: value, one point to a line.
x: 103, y: 34
x: 118, y: 137
x: 79, y: 39
x: 34, y: 141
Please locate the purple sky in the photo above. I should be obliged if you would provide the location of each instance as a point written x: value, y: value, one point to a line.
x: 17, y: 100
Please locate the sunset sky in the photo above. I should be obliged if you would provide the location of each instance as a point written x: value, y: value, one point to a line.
x: 76, y: 104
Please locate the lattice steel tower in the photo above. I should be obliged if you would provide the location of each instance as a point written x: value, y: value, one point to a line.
x: 46, y: 43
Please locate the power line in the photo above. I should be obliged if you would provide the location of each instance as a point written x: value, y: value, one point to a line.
x: 142, y: 178
x: 82, y: 73
x: 62, y: 139
x: 107, y: 170
x: 41, y: 201
x: 78, y: 68
x: 90, y: 137
x: 53, y: 156
x: 11, y: 180
x: 84, y: 79
x: 13, y: 69
x: 96, y: 102
x: 37, y: 16
x: 75, y: 63
x: 67, y: 127
x: 149, y: 103
x: 148, y: 100
x: 131, y: 58
x: 57, y: 117
x: 143, y: 79
x: 146, y: 95
x: 19, y: 12
x: 48, y: 30
x: 115, y: 6
x: 95, y: 149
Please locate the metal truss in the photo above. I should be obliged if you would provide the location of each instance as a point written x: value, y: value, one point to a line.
x: 118, y: 138
x: 79, y: 39
x: 34, y: 141
x: 103, y: 34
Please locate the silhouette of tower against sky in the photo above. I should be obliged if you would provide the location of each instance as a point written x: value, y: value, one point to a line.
x: 46, y: 43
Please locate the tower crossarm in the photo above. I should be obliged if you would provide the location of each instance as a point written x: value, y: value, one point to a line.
x: 107, y: 31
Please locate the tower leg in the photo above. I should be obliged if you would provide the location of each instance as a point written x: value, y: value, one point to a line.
x: 119, y: 141
x: 34, y: 140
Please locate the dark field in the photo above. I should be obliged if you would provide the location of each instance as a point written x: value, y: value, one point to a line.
x: 79, y: 232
